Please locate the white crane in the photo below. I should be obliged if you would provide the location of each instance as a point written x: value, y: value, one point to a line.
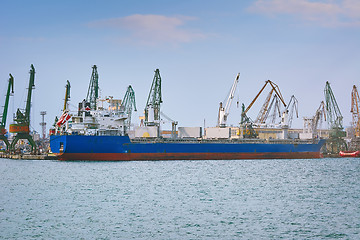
x: 224, y: 111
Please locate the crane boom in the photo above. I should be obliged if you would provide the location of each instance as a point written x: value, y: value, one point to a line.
x: 276, y: 90
x: 3, y: 131
x: 10, y: 91
x: 276, y: 110
x: 261, y: 118
x: 224, y: 111
x: 31, y: 87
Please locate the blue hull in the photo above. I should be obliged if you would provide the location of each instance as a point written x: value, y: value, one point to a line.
x: 79, y: 147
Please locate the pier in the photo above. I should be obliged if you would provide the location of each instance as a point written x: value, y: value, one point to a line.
x: 28, y: 156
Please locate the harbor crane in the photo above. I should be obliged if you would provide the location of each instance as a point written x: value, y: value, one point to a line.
x: 152, y: 108
x: 355, y: 102
x: 335, y: 143
x: 10, y: 91
x: 246, y: 122
x: 275, y: 107
x: 224, y: 110
x: 320, y: 114
x: 93, y: 90
x: 291, y: 108
x: 22, y: 118
x: 332, y: 109
x: 173, y: 124
x: 274, y: 89
x: 246, y: 125
x: 312, y: 124
x: 127, y: 105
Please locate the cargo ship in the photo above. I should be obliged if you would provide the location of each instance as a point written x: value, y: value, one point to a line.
x: 122, y: 148
x: 98, y: 133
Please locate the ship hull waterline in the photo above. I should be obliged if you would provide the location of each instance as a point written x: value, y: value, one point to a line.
x: 181, y: 156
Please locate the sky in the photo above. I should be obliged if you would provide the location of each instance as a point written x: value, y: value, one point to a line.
x: 199, y: 47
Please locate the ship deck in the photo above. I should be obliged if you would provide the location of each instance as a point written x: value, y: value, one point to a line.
x: 224, y: 141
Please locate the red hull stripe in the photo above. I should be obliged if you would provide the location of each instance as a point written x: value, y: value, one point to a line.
x: 184, y: 156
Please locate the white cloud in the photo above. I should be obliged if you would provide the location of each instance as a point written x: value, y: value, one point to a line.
x: 153, y: 29
x: 329, y: 13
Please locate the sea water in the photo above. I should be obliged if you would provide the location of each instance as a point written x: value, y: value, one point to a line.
x: 234, y: 199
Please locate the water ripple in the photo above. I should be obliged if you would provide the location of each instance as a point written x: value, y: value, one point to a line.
x: 240, y: 199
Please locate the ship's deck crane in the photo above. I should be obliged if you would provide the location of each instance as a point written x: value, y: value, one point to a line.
x: 152, y: 108
x: 93, y: 90
x: 355, y: 102
x: 10, y: 91
x: 22, y: 119
x: 127, y: 105
x: 67, y: 95
x: 65, y: 115
x: 224, y: 110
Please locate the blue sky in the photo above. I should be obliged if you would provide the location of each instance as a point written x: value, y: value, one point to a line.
x: 199, y: 47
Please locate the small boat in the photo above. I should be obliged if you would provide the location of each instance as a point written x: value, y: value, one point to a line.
x: 349, y: 153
